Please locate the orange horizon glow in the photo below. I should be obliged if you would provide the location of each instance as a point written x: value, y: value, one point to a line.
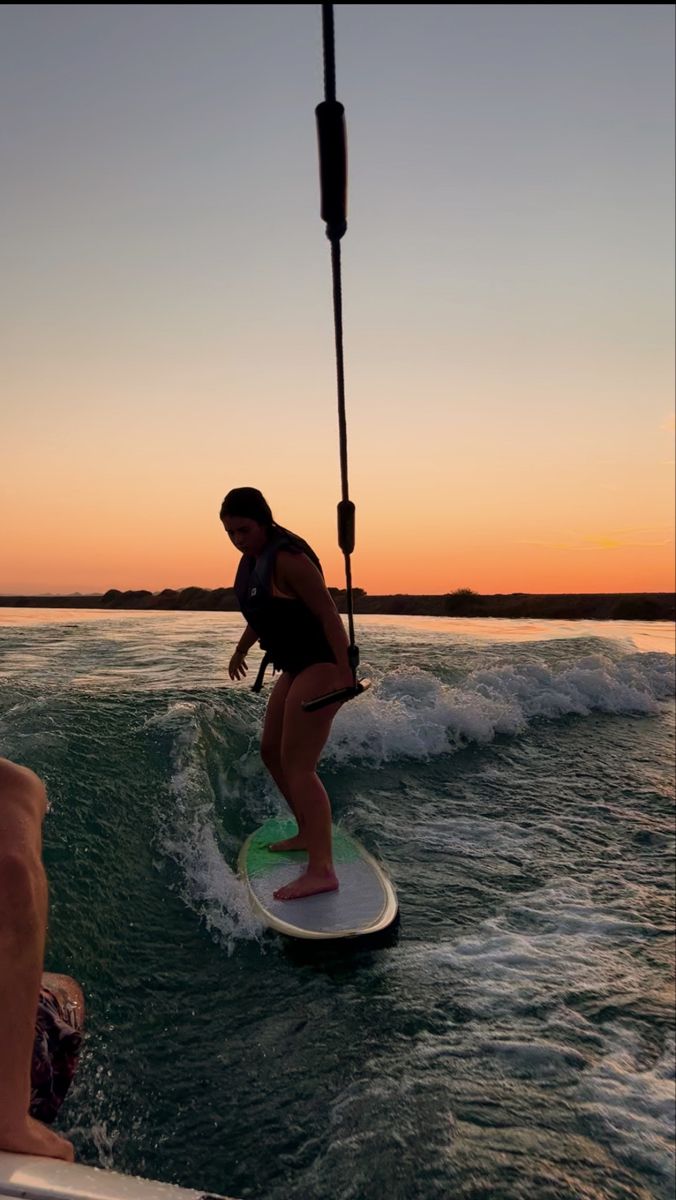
x: 594, y: 565
x: 434, y: 514
x: 479, y: 526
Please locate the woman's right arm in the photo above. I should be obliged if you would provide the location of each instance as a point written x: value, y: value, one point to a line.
x: 237, y: 667
x: 246, y: 641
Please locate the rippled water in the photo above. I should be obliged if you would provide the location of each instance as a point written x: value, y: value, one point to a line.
x: 515, y: 1040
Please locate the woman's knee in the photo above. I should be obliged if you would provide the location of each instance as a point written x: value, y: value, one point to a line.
x: 295, y: 769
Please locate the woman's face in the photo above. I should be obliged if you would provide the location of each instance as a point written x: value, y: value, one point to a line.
x: 248, y: 536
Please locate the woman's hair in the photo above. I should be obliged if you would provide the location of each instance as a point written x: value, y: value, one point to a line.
x: 247, y: 502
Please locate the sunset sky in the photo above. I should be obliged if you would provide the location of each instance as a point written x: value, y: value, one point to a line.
x: 166, y: 320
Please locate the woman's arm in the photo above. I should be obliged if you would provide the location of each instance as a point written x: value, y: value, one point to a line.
x: 297, y: 575
x: 246, y: 641
x: 237, y: 666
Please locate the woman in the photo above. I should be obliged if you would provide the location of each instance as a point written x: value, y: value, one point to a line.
x: 280, y: 589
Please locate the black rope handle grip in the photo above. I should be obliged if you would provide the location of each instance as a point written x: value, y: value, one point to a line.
x: 332, y: 138
x: 346, y: 693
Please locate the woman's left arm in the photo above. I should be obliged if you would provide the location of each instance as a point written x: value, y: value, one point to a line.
x: 297, y: 575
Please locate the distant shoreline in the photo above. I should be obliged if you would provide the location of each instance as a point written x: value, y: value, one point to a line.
x: 616, y: 606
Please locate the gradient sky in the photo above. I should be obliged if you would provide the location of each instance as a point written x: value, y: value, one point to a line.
x: 166, y: 314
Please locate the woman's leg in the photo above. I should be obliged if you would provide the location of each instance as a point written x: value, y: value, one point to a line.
x: 271, y: 753
x: 303, y: 738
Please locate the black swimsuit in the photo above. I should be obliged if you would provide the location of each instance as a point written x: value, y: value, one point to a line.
x: 291, y: 635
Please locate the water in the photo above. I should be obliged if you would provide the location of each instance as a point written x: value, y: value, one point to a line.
x: 514, y: 1042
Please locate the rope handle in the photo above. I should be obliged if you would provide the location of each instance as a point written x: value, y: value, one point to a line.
x: 342, y: 694
x: 332, y: 139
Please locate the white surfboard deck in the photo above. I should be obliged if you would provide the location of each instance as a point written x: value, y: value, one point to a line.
x: 34, y: 1178
x: 364, y: 904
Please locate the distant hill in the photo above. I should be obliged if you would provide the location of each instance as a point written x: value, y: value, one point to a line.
x: 627, y: 606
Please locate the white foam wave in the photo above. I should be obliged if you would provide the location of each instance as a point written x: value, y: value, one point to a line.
x: 102, y: 1141
x: 411, y: 713
x: 551, y: 940
x: 559, y: 953
x: 635, y: 1103
x: 188, y: 833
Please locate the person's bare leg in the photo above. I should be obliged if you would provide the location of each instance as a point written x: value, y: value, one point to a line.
x: 23, y: 922
x: 303, y: 739
x: 271, y: 753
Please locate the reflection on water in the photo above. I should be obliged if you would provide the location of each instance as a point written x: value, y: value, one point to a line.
x: 643, y: 635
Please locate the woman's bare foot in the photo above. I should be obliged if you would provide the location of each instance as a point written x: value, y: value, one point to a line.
x: 293, y: 843
x: 32, y: 1137
x: 311, y: 883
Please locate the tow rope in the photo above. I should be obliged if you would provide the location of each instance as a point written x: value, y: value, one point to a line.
x: 332, y: 138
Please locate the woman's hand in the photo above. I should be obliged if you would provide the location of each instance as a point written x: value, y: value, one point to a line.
x: 237, y: 668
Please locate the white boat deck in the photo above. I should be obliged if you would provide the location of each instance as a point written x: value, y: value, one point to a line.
x: 34, y: 1178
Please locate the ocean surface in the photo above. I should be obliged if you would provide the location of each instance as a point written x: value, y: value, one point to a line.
x: 515, y: 1038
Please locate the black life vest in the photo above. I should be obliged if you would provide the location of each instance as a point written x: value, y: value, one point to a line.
x: 288, y: 632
